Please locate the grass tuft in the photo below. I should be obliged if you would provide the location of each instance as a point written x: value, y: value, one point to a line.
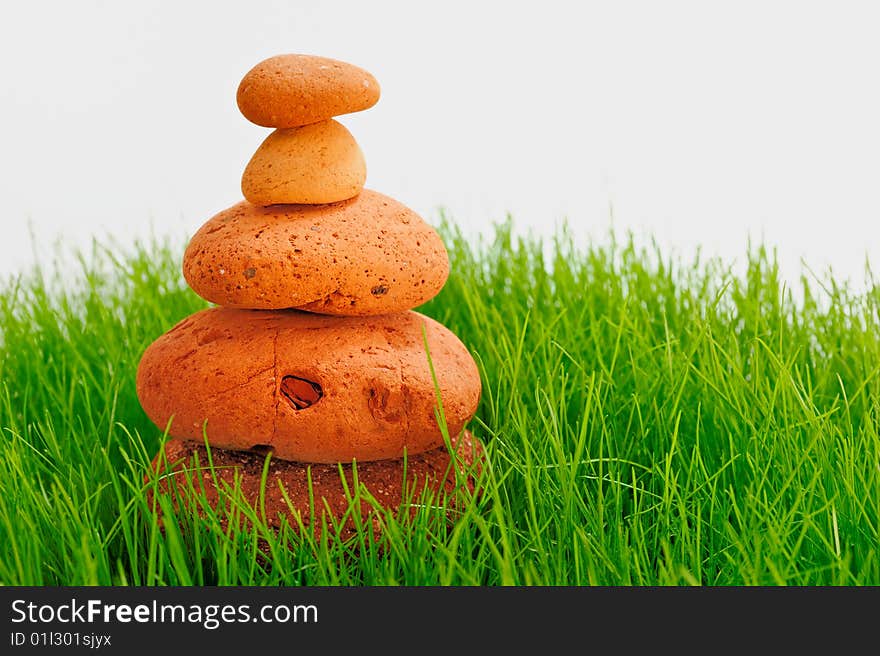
x: 647, y: 421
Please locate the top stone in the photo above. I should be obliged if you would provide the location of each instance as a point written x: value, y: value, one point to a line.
x: 287, y: 91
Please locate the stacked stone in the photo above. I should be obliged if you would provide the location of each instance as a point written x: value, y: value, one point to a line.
x: 313, y: 353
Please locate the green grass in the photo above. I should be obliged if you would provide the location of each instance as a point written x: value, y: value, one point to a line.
x: 647, y: 421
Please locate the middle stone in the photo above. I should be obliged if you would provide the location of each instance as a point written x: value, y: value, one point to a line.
x: 368, y: 255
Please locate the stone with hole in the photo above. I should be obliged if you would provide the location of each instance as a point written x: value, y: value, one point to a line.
x: 309, y: 387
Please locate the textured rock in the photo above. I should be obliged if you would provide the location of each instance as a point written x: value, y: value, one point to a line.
x: 311, y: 388
x: 383, y: 479
x: 317, y: 163
x: 287, y: 91
x: 367, y: 255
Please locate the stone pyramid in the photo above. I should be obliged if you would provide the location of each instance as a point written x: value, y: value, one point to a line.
x: 313, y: 353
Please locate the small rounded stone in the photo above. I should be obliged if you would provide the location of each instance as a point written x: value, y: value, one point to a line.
x: 287, y: 91
x: 313, y: 164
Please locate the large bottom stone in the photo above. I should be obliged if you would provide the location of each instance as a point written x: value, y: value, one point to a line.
x: 383, y: 479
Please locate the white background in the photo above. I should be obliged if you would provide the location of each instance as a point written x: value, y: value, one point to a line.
x: 700, y: 123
